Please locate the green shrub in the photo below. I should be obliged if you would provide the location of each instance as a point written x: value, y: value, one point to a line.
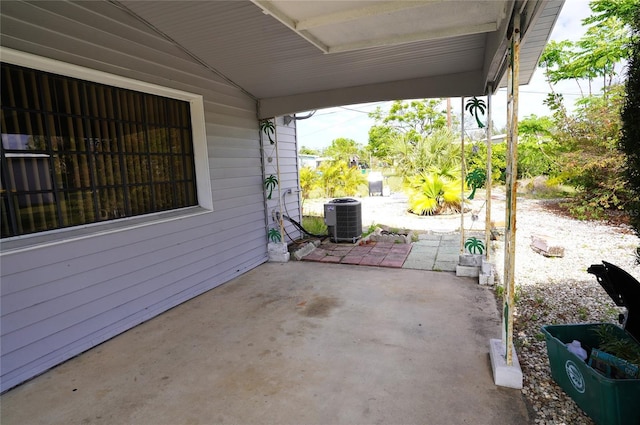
x: 542, y: 187
x: 431, y: 194
x: 600, y: 184
x: 308, y: 181
x: 477, y: 158
x: 339, y: 179
x: 537, y: 158
x: 592, y: 163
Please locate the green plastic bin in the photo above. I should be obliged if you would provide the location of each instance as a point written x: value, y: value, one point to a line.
x: 606, y: 401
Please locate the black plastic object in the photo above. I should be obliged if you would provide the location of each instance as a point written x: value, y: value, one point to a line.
x: 624, y: 290
x: 375, y: 187
x: 343, y: 201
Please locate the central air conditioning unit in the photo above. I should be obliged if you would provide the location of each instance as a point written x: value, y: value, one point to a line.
x: 343, y: 218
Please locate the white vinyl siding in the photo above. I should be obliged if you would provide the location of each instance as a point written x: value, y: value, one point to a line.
x: 284, y: 161
x: 79, y: 289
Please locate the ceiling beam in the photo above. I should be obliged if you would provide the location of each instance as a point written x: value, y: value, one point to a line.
x: 359, y: 13
x: 450, y: 85
x: 269, y: 9
x: 495, y: 63
x: 416, y: 36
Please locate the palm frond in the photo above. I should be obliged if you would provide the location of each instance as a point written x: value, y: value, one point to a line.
x: 430, y: 193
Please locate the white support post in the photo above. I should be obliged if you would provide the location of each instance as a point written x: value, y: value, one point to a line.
x: 512, y: 175
x: 275, y: 137
x: 504, y: 361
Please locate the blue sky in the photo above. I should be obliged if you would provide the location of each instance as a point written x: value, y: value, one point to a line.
x: 352, y: 121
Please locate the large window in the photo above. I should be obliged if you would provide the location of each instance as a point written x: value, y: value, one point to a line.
x: 76, y: 152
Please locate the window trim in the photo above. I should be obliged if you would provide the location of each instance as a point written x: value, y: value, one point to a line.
x: 196, y: 104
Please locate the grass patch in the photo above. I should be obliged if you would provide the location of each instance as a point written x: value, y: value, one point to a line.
x: 501, y: 293
x: 582, y: 313
x: 370, y: 230
x: 543, y: 188
x: 314, y: 224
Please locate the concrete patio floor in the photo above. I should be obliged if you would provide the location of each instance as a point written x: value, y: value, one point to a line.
x: 292, y: 343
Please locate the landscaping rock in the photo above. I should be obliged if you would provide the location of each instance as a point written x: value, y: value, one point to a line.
x: 386, y: 235
x: 303, y: 250
x: 497, y: 230
x: 545, y: 245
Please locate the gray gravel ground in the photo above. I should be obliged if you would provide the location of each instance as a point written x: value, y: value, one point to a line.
x: 549, y: 290
x: 560, y: 291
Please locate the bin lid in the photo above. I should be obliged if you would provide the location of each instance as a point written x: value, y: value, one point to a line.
x: 375, y: 176
x: 623, y: 289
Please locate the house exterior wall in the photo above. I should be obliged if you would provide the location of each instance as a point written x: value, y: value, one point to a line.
x: 283, y: 161
x: 64, y: 292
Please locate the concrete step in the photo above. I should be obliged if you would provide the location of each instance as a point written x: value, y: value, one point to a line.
x: 467, y: 271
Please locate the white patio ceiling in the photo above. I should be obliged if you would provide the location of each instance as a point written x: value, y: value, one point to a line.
x: 299, y: 55
x: 339, y: 26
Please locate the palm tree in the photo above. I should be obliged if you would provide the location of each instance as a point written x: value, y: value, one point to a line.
x: 274, y: 235
x: 475, y: 179
x: 268, y: 128
x: 431, y: 193
x: 269, y: 184
x: 352, y: 179
x: 475, y: 106
x: 339, y: 179
x: 474, y: 245
x: 330, y: 176
x: 308, y: 181
x: 435, y: 153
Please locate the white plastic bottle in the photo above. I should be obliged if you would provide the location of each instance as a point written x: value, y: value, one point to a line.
x: 576, y: 348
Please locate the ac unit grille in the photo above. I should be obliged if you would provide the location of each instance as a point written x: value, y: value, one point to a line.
x: 344, y: 219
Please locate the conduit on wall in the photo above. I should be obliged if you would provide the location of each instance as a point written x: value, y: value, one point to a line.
x: 280, y: 220
x: 489, y: 180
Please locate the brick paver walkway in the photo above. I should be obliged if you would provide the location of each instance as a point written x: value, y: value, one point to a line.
x: 383, y: 254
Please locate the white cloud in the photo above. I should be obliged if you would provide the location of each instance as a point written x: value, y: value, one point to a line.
x: 569, y: 24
